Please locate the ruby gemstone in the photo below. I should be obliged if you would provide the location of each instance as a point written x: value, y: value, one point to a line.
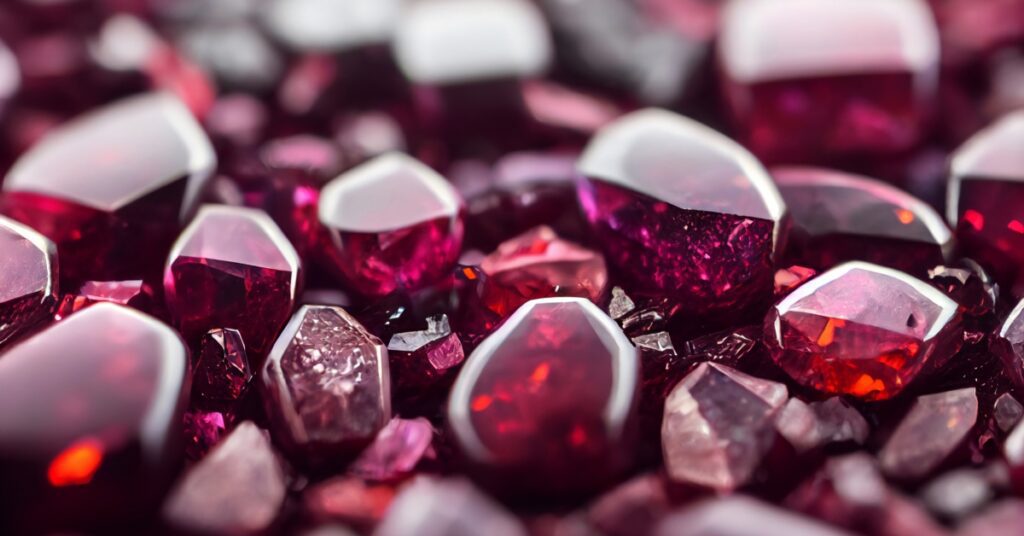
x: 862, y: 330
x: 391, y: 223
x: 28, y: 284
x: 805, y: 84
x: 113, y: 187
x: 544, y: 404
x: 682, y: 210
x: 838, y: 217
x: 90, y: 420
x: 232, y: 268
x: 221, y: 374
x: 134, y: 293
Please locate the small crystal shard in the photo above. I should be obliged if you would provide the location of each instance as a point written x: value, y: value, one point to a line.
x: 221, y: 373
x: 1007, y: 412
x: 396, y: 451
x: 935, y: 427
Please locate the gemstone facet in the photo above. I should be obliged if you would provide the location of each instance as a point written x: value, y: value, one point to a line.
x: 28, y: 285
x: 934, y: 428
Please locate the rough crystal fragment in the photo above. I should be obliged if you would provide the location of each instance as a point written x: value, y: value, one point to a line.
x: 862, y: 330
x: 396, y: 451
x: 968, y: 284
x: 1008, y: 344
x: 237, y: 489
x: 718, y: 425
x: 134, y: 293
x: 232, y: 268
x: 633, y: 507
x: 1007, y: 412
x: 935, y: 427
x: 620, y: 304
x: 740, y: 516
x: 544, y: 404
x: 202, y: 430
x: 707, y: 237
x: 391, y: 223
x: 28, y: 284
x: 326, y: 386
x: 449, y: 507
x: 221, y: 372
x: 422, y: 359
x: 958, y: 494
x: 808, y: 426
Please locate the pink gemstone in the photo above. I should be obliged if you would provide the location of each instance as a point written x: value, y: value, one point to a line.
x: 221, y: 373
x: 203, y: 430
x: 232, y: 268
x: 986, y: 185
x: 448, y: 507
x: 862, y: 330
x: 348, y: 500
x: 936, y: 426
x: 326, y: 386
x: 424, y: 359
x: 134, y: 293
x: 28, y: 286
x: 1003, y: 517
x: 740, y: 516
x: 682, y: 210
x: 839, y: 217
x: 365, y: 135
x: 959, y: 493
x: 809, y: 426
x: 543, y: 405
x: 237, y: 489
x: 971, y: 30
x: 718, y: 426
x: 841, y: 100
x: 1007, y: 412
x: 539, y: 264
x: 89, y: 416
x: 113, y: 212
x: 236, y: 120
x: 397, y: 450
x: 633, y: 507
x: 1008, y: 344
x: 788, y: 279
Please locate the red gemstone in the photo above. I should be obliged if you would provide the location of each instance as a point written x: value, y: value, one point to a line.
x: 232, y: 268
x: 424, y: 359
x: 28, y: 284
x: 543, y: 405
x: 809, y: 82
x: 788, y: 279
x: 349, y: 500
x: 936, y: 426
x: 397, y: 450
x: 326, y: 387
x: 986, y: 187
x: 682, y: 210
x: 203, y: 430
x: 134, y: 293
x: 112, y: 188
x: 862, y: 330
x: 391, y: 223
x: 90, y: 411
x: 838, y: 217
x: 539, y: 264
x: 221, y: 373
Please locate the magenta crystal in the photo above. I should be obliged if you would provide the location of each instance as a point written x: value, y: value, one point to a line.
x: 134, y: 293
x: 397, y: 450
x: 808, y: 426
x: 202, y: 430
x: 935, y: 427
x: 423, y: 359
x: 28, y: 285
x: 221, y: 373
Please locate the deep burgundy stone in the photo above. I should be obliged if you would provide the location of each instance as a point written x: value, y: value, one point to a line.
x: 89, y: 420
x: 232, y: 268
x: 803, y: 87
x: 985, y: 186
x: 839, y: 217
x: 389, y: 224
x: 448, y: 507
x: 718, y: 426
x: 424, y: 361
x: 28, y: 285
x: 933, y: 430
x: 348, y: 500
x: 967, y: 283
x: 544, y: 404
x: 397, y: 450
x: 1006, y: 73
x: 862, y: 330
x: 221, y: 374
x: 112, y: 188
x: 202, y: 430
x: 740, y: 516
x: 682, y: 210
x: 326, y: 387
x: 237, y: 489
x: 134, y: 293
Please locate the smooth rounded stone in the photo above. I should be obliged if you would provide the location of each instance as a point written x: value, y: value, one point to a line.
x: 1007, y: 412
x: 431, y: 506
x: 391, y: 223
x: 839, y: 217
x: 232, y: 268
x: 396, y: 451
x: 802, y: 86
x: 221, y: 374
x: 959, y: 493
x: 740, y: 516
x: 862, y: 330
x: 238, y: 488
x: 237, y: 120
x: 10, y: 75
x: 986, y: 185
x: 544, y: 405
x: 28, y: 279
x: 819, y: 424
x: 332, y: 25
x: 348, y: 500
x: 113, y: 187
x: 633, y: 507
x: 682, y: 210
x: 237, y: 54
x: 931, y: 433
x: 89, y: 421
x: 1008, y: 344
x: 1005, y: 515
x: 539, y: 264
x: 326, y: 387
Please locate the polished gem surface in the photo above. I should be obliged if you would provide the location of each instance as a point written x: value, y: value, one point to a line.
x: 221, y: 372
x: 28, y: 286
x: 935, y: 427
x: 396, y: 450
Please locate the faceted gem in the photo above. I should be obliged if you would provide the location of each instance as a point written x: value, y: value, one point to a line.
x: 718, y: 425
x: 89, y: 420
x: 422, y: 359
x: 1008, y: 344
x: 326, y: 386
x: 539, y: 264
x: 808, y: 426
x: 221, y: 372
x: 203, y: 430
x: 232, y: 268
x: 237, y: 489
x: 448, y: 507
x: 862, y: 330
x: 680, y: 209
x: 986, y: 186
x: 543, y: 404
x: 935, y: 427
x: 396, y: 451
x: 788, y: 279
x: 113, y: 187
x: 391, y: 223
x: 843, y: 100
x: 28, y: 284
x: 1007, y: 412
x: 838, y: 217
x: 968, y: 284
x: 740, y: 516
x: 134, y: 293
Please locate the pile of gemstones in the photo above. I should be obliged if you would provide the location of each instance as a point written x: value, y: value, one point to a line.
x: 512, y: 267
